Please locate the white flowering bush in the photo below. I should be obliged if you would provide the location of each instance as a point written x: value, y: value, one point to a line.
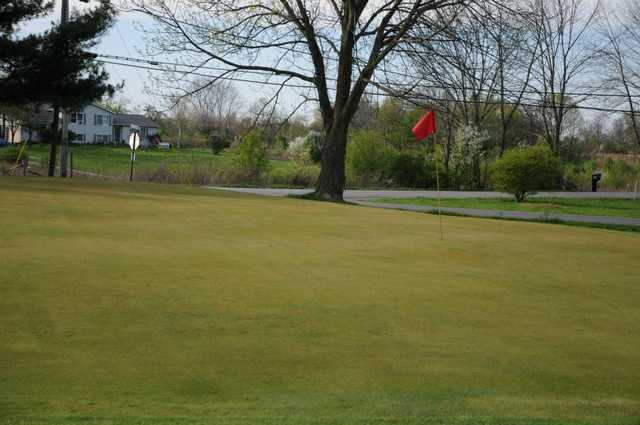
x: 466, y: 154
x: 298, y: 150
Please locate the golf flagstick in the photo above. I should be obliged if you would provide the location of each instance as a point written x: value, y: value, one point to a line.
x: 435, y: 142
x: 425, y: 127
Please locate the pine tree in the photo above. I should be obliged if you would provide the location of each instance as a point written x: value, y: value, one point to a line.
x: 54, y: 67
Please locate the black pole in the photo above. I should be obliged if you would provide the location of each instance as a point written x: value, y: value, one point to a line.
x: 133, y: 153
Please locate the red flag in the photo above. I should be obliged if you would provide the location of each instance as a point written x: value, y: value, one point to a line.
x: 426, y: 126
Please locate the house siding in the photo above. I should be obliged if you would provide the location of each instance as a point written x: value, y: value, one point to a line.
x: 95, y: 125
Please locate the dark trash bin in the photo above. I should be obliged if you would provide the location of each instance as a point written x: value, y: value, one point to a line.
x: 595, y: 179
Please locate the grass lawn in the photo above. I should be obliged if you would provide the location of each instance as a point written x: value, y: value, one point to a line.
x: 601, y: 207
x: 149, y: 304
x: 115, y: 160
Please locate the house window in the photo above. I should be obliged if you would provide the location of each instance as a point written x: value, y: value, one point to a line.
x: 78, y: 118
x: 80, y: 138
x: 97, y: 119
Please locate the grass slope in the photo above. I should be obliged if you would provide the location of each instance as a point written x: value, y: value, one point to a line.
x: 148, y: 304
x: 115, y: 160
x: 599, y: 207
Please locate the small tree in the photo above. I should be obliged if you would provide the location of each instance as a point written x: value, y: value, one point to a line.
x: 524, y: 170
x: 251, y: 154
x: 219, y: 140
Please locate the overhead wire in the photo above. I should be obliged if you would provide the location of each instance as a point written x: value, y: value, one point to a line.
x: 424, y: 86
x: 385, y: 94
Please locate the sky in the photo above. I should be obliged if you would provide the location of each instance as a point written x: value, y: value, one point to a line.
x: 126, y: 38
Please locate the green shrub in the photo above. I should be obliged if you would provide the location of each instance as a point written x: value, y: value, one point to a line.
x: 219, y: 141
x: 314, y: 142
x: 577, y: 177
x: 412, y: 169
x: 251, y: 155
x: 368, y: 159
x: 619, y: 174
x: 521, y: 171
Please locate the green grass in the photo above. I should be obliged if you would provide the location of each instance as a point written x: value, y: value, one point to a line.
x: 115, y: 160
x: 598, y: 207
x: 149, y: 304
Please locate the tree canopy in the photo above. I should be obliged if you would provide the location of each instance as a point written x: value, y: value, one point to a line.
x: 54, y: 66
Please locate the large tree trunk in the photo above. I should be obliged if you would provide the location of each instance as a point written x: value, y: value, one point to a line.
x: 330, y: 185
x: 53, y: 143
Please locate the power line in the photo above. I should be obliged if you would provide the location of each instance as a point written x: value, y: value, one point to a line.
x: 415, y: 96
x: 424, y: 86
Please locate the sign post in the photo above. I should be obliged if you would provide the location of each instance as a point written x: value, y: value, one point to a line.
x: 134, y: 143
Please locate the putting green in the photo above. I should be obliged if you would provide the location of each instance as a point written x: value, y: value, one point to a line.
x: 151, y: 304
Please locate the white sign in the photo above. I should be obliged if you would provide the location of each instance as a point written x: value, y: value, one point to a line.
x: 134, y: 141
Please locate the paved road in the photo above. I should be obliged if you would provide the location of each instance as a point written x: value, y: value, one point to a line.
x: 373, y: 194
x: 516, y: 215
x: 362, y: 197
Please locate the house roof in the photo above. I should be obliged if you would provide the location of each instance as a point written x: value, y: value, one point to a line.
x: 127, y: 120
x: 99, y: 106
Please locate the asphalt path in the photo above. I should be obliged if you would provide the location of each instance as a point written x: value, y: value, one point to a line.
x: 368, y: 197
x: 376, y: 194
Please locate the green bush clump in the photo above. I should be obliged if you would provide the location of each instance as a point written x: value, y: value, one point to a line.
x: 577, y: 177
x: 315, y: 142
x: 251, y: 155
x: 368, y: 158
x: 412, y: 169
x: 521, y: 171
x: 219, y: 141
x: 619, y: 174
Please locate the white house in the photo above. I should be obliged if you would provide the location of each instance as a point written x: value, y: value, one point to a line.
x: 95, y: 124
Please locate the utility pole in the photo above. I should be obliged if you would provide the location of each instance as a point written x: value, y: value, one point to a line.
x: 64, y: 146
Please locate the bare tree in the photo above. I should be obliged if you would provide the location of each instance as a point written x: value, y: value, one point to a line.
x: 333, y: 46
x: 460, y: 66
x: 564, y: 54
x: 623, y: 57
x: 215, y: 105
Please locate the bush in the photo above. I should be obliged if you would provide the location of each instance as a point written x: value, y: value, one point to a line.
x: 218, y: 142
x: 412, y: 169
x: 368, y: 159
x: 251, y: 155
x: 619, y: 174
x: 523, y: 170
x: 307, y: 149
x: 314, y: 142
x: 298, y: 150
x: 577, y: 177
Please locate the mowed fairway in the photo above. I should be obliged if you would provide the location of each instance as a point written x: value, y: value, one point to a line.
x: 150, y: 304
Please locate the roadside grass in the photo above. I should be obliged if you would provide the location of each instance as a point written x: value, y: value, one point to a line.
x: 114, y: 161
x: 166, y: 304
x: 615, y: 227
x: 597, y: 207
